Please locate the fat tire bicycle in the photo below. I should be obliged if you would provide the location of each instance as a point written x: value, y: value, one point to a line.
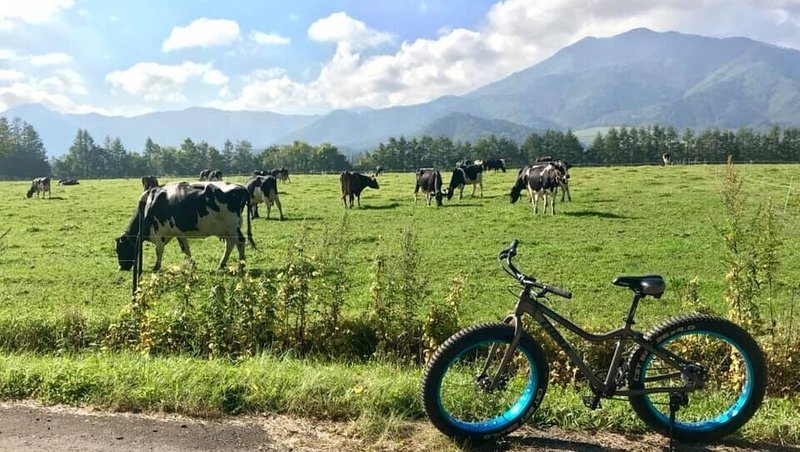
x: 693, y: 377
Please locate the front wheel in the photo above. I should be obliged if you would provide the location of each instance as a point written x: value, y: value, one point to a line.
x: 726, y: 379
x: 457, y: 393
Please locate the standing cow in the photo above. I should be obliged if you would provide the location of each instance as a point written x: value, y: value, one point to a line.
x: 204, y: 174
x: 183, y: 210
x: 666, y: 159
x: 149, y: 182
x: 563, y: 168
x: 540, y: 180
x: 430, y: 181
x: 493, y: 164
x: 263, y: 189
x: 215, y: 176
x: 462, y: 175
x: 40, y: 185
x: 353, y: 183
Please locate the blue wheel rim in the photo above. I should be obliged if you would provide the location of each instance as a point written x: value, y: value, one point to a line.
x: 731, y: 412
x: 510, y: 415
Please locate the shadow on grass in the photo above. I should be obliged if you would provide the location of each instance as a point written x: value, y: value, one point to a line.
x: 596, y: 214
x: 393, y: 205
x: 462, y: 205
x: 532, y: 442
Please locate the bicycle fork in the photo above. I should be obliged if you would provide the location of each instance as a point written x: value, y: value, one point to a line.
x: 515, y: 320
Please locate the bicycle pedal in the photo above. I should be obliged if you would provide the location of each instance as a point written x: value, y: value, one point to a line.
x: 592, y: 402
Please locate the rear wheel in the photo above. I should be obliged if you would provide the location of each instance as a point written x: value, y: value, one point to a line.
x: 728, y: 374
x: 456, y: 391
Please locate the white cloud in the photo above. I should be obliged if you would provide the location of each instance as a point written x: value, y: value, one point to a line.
x: 163, y: 83
x: 53, y: 91
x: 215, y: 77
x: 346, y: 31
x: 10, y: 75
x: 65, y: 81
x: 30, y: 11
x: 45, y: 59
x: 266, y: 39
x: 49, y: 59
x: 514, y: 35
x: 264, y: 74
x: 203, y: 32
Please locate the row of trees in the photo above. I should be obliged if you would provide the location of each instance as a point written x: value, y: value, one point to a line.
x: 22, y: 153
x: 442, y: 152
x: 87, y: 159
x: 647, y: 144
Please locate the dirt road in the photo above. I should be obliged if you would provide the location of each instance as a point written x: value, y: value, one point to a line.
x: 29, y: 427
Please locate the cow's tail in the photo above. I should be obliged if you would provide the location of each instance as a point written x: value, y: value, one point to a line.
x: 249, y: 230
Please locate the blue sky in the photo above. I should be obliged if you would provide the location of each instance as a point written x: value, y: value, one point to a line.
x: 131, y: 57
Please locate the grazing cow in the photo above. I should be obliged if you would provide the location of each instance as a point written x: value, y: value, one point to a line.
x: 281, y: 174
x: 666, y: 159
x: 493, y: 164
x: 215, y: 176
x: 465, y: 174
x: 263, y: 189
x: 68, y: 182
x: 40, y: 185
x: 183, y: 210
x: 563, y: 168
x: 354, y: 183
x: 541, y: 180
x: 430, y: 181
x: 378, y: 170
x: 204, y: 174
x: 149, y: 182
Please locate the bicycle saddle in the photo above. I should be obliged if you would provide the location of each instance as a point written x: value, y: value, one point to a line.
x: 652, y: 285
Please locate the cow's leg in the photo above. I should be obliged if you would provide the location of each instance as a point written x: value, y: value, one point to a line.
x: 474, y: 187
x: 358, y: 196
x: 344, y: 200
x: 460, y: 191
x: 229, y: 244
x: 553, y: 201
x: 160, y: 243
x: 278, y: 205
x: 240, y: 246
x: 416, y: 190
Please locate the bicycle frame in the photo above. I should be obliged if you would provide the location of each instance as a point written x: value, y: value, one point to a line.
x: 606, y: 388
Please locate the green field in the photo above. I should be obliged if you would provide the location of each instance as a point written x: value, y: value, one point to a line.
x: 60, y: 252
x: 58, y: 258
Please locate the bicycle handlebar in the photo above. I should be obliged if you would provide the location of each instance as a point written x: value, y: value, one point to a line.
x: 508, y: 254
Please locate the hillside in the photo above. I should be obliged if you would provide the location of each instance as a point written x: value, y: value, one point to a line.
x: 464, y: 127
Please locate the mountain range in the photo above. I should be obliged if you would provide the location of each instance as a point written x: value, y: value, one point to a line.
x: 639, y: 77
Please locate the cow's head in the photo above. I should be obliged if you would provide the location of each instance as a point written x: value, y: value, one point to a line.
x: 126, y: 252
x: 438, y: 197
x: 449, y: 193
x: 31, y: 191
x: 372, y: 182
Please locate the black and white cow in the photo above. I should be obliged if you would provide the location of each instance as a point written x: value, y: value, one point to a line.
x: 563, y: 168
x: 215, y: 176
x: 465, y: 174
x: 39, y: 185
x: 666, y: 159
x: 149, y: 182
x: 68, y: 182
x: 204, y: 174
x: 493, y: 164
x: 187, y: 210
x: 353, y: 183
x: 263, y: 189
x: 282, y: 174
x: 541, y: 180
x: 430, y: 181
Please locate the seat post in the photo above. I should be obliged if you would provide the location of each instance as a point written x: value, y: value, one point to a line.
x: 632, y: 311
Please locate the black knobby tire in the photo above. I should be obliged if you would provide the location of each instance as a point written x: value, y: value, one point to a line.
x: 462, y: 343
x: 739, y: 351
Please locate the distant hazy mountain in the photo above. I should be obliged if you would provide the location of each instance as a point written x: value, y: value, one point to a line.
x: 464, y: 127
x: 640, y: 77
x: 169, y: 127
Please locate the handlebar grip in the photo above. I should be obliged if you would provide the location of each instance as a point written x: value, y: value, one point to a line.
x: 560, y: 292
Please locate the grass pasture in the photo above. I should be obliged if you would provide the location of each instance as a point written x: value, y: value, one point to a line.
x: 59, y: 260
